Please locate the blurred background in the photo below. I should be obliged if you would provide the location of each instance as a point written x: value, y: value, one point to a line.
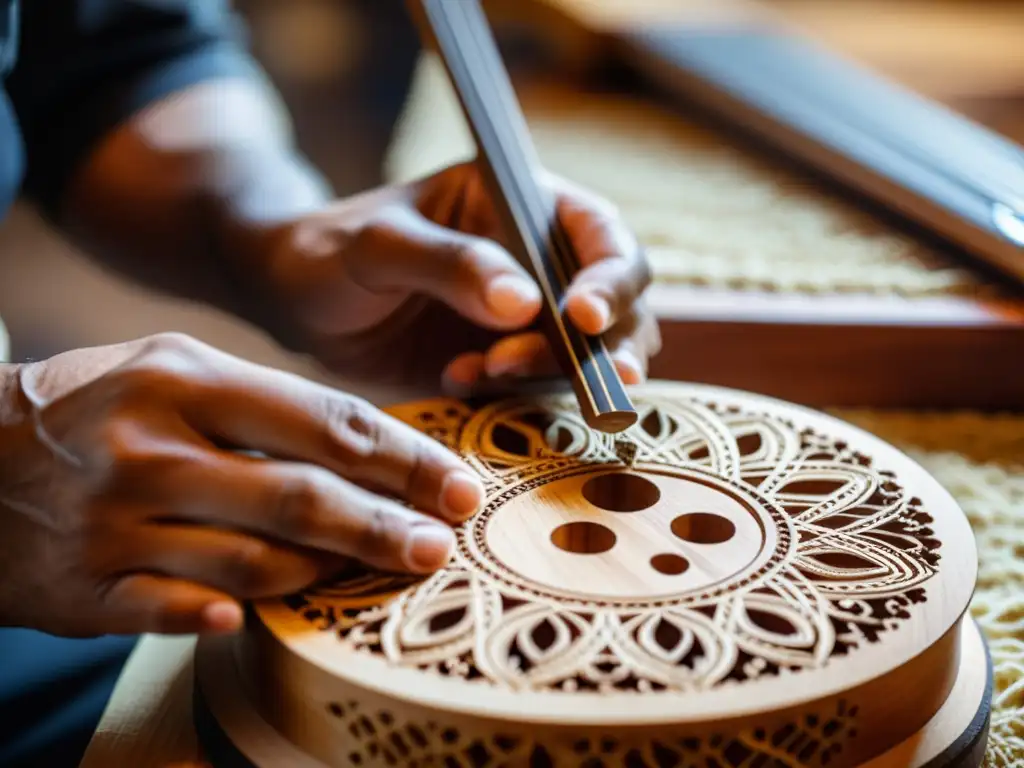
x: 344, y: 67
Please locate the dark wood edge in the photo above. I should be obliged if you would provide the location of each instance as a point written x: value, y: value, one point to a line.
x: 966, y: 751
x: 849, y: 366
x: 217, y: 748
x: 835, y: 351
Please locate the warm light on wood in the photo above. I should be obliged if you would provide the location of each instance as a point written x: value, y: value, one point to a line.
x: 761, y: 578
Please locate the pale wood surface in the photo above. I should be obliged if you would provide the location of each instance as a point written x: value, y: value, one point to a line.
x: 579, y: 545
x: 148, y: 721
x: 979, y: 458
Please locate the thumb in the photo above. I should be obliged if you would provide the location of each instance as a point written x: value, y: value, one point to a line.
x: 406, y: 252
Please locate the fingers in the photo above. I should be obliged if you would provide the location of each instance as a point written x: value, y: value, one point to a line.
x: 289, y: 417
x: 403, y: 251
x: 613, y: 270
x: 462, y: 374
x: 161, y: 604
x: 308, y: 507
x: 630, y: 344
x: 231, y: 562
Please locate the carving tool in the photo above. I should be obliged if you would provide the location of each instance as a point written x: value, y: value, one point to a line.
x: 459, y: 32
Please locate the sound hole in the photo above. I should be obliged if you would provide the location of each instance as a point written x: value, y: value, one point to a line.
x: 621, y: 492
x: 669, y: 564
x: 583, y: 538
x: 703, y: 528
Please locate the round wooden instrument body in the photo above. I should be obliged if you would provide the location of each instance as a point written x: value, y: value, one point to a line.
x: 735, y: 581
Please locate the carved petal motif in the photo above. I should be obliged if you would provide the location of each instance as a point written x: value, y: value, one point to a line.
x: 863, y: 551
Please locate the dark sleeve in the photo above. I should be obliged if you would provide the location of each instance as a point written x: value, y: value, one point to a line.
x: 84, y: 66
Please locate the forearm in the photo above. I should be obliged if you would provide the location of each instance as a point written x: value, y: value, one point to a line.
x: 180, y: 196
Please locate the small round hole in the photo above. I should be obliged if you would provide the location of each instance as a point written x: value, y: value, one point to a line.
x: 703, y: 528
x: 621, y: 492
x: 669, y: 564
x: 583, y: 538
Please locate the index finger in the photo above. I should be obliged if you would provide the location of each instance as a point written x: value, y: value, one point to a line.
x: 286, y: 416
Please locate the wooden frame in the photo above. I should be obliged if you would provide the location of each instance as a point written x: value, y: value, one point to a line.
x: 842, y: 350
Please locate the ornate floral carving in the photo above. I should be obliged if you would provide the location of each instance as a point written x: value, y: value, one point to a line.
x: 848, y: 554
x: 379, y: 737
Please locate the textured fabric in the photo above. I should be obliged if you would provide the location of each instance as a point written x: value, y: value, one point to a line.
x: 80, y: 67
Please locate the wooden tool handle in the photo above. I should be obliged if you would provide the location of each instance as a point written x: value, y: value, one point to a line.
x: 459, y: 32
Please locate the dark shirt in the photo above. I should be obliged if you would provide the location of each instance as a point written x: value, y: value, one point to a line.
x: 72, y: 70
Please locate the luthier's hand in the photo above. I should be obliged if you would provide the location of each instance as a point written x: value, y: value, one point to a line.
x: 126, y: 505
x: 409, y: 284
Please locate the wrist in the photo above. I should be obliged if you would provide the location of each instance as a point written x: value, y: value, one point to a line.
x: 249, y: 228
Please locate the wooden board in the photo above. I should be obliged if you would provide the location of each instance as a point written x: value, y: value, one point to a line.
x: 743, y: 574
x: 905, y: 324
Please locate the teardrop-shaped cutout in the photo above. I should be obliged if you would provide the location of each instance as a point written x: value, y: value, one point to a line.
x: 544, y: 635
x: 815, y: 487
x: 563, y: 439
x: 770, y: 622
x: 446, y: 619
x: 510, y: 440
x: 658, y: 425
x: 697, y: 454
x: 749, y: 444
x: 667, y: 635
x: 539, y: 420
x: 846, y: 561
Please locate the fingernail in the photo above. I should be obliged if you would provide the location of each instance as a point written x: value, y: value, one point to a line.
x: 223, y: 617
x: 511, y: 356
x: 429, y: 547
x: 465, y: 370
x: 634, y: 372
x: 461, y: 495
x: 601, y: 313
x: 511, y: 295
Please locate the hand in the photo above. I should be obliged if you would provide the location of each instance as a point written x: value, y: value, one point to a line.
x: 410, y: 285
x: 127, y: 505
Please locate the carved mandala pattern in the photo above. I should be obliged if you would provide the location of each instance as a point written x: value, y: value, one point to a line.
x: 850, y: 554
x: 378, y: 736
